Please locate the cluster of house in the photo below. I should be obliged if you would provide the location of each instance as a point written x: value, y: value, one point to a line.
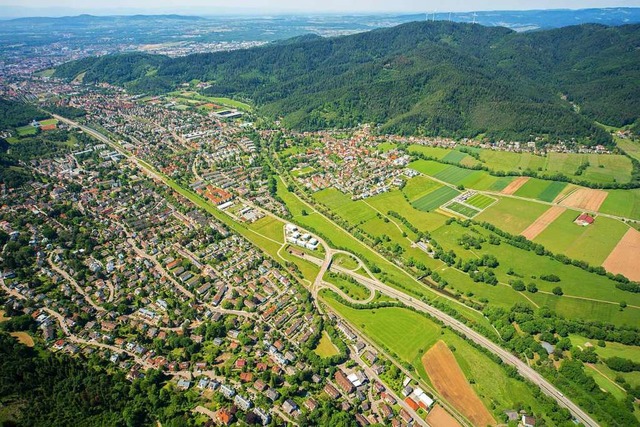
x: 304, y: 240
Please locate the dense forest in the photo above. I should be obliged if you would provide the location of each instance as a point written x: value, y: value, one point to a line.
x: 42, y: 389
x: 429, y: 78
x: 14, y: 114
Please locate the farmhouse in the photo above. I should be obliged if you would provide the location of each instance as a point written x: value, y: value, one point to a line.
x: 584, y: 220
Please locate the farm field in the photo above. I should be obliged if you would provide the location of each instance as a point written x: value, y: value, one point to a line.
x: 586, y: 309
x: 526, y: 264
x: 506, y: 161
x: 543, y: 221
x: 512, y: 215
x: 325, y: 347
x: 625, y: 257
x: 447, y: 377
x: 435, y: 199
x: 601, y: 168
x: 592, y: 243
x: 624, y: 203
x: 441, y: 418
x: 463, y: 210
x: 270, y: 227
x: 542, y: 190
x: 409, y: 335
x: 585, y: 198
x: 394, y: 201
x: 515, y: 185
x: 338, y: 238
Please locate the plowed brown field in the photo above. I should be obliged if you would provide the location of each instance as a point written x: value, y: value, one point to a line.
x: 449, y: 380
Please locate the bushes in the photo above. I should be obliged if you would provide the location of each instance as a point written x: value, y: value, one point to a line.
x: 622, y: 365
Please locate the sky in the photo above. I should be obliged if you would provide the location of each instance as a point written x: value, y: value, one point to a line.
x: 293, y: 6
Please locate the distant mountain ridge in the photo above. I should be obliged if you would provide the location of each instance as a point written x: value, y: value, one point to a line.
x: 427, y: 78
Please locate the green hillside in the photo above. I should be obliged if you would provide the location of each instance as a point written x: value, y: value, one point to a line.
x: 429, y: 78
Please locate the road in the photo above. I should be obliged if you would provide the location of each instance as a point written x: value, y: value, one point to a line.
x: 524, y: 369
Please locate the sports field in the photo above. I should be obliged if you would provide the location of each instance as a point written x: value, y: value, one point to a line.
x: 435, y: 199
x: 480, y: 201
x: 463, y: 210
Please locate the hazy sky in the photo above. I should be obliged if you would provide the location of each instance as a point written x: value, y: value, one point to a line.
x: 210, y: 6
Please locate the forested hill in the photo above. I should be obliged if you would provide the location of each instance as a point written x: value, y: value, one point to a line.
x: 424, y: 77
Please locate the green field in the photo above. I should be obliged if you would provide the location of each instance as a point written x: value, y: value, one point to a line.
x: 624, y: 203
x: 351, y: 289
x: 601, y: 169
x: 527, y: 265
x: 339, y: 238
x: 385, y: 146
x: 480, y: 201
x: 611, y: 349
x: 592, y: 243
x: 463, y: 210
x: 354, y: 212
x: 346, y: 261
x: 512, y: 215
x: 26, y: 130
x: 408, y: 335
x: 428, y: 167
x: 325, y: 347
x: 419, y: 186
x: 302, y: 172
x: 435, y: 199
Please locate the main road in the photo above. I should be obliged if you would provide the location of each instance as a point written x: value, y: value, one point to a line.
x: 524, y: 369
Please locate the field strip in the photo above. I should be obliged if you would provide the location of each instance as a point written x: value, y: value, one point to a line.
x: 515, y: 185
x: 447, y: 377
x: 625, y: 257
x: 585, y: 198
x: 589, y: 299
x: 542, y: 222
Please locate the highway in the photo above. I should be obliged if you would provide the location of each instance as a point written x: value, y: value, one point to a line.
x: 524, y: 369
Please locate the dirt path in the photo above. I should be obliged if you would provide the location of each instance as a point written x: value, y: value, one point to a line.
x: 515, y: 185
x: 449, y: 380
x: 543, y: 221
x: 625, y: 257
